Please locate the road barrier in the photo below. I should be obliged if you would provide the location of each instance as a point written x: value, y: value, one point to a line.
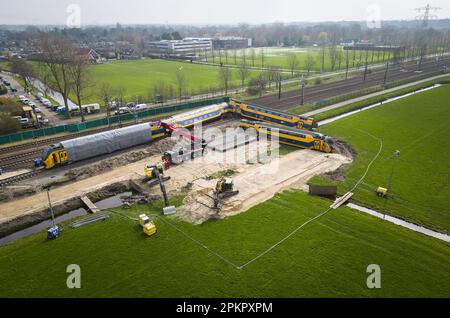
x: 72, y: 128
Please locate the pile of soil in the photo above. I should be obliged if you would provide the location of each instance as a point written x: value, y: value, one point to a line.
x: 343, y: 148
x: 198, y: 207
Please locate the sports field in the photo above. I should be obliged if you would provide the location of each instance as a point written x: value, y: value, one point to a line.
x: 279, y: 57
x: 139, y: 77
x: 418, y: 127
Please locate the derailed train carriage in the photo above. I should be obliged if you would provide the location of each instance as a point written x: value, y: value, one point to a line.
x: 291, y: 136
x: 200, y: 115
x: 91, y: 146
x: 260, y: 113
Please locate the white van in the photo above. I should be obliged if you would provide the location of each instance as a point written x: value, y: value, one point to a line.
x: 140, y: 107
x: 91, y: 108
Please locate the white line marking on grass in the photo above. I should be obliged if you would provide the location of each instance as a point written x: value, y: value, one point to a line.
x: 323, y: 213
x: 271, y: 248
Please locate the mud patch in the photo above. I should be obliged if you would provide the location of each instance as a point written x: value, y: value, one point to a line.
x: 117, y: 161
x: 336, y: 175
x: 343, y: 148
x: 15, y: 192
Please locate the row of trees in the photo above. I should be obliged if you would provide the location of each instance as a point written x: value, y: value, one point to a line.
x: 63, y: 66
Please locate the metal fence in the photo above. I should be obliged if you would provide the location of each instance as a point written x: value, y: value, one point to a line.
x: 104, y: 121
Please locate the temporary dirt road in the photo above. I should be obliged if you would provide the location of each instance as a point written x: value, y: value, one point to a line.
x: 256, y: 181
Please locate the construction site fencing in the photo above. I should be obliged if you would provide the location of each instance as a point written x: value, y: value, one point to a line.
x: 73, y: 128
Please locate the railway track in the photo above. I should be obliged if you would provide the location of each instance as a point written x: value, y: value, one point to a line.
x: 19, y: 160
x: 291, y: 98
x: 20, y: 177
x: 15, y: 160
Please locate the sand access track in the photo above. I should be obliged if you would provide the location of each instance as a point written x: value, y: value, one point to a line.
x: 256, y: 181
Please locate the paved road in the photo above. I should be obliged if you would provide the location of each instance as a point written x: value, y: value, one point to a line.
x: 52, y: 117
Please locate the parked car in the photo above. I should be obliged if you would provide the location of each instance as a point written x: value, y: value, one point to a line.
x: 122, y: 110
x: 25, y: 100
x: 23, y: 121
x: 46, y: 102
x: 32, y: 104
x: 55, y: 107
x: 37, y: 110
x: 22, y: 98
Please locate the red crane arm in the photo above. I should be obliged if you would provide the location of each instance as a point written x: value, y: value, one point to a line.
x: 170, y: 128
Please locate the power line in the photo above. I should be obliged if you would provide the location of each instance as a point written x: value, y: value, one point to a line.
x: 425, y: 14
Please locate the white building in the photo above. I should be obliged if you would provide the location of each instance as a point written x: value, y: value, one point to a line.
x: 186, y: 48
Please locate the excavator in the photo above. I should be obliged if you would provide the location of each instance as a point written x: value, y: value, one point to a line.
x: 153, y: 174
x: 224, y: 189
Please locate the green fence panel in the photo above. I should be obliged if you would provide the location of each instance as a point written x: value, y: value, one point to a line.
x: 103, y: 121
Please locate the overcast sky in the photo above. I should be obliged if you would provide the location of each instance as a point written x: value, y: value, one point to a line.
x: 208, y: 11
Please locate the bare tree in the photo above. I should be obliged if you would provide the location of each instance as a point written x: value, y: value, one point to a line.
x: 263, y: 57
x: 261, y: 81
x: 293, y: 62
x: 225, y: 77
x: 78, y: 74
x: 309, y: 62
x: 180, y: 78
x: 24, y: 70
x: 253, y: 56
x: 333, y: 52
x: 121, y: 91
x: 226, y: 53
x: 106, y: 93
x: 243, y: 72
x: 58, y: 54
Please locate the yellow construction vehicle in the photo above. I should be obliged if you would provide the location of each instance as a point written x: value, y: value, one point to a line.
x: 224, y: 189
x: 382, y: 192
x: 153, y: 173
x: 148, y: 227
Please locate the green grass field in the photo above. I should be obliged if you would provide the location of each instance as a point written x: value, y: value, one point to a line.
x: 418, y: 127
x: 139, y: 77
x: 326, y: 258
x: 278, y: 57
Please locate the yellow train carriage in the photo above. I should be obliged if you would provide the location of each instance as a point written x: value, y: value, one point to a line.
x: 259, y: 113
x: 200, y: 115
x: 291, y: 136
x: 90, y: 146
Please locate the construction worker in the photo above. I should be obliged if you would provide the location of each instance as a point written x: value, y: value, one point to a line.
x: 166, y: 163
